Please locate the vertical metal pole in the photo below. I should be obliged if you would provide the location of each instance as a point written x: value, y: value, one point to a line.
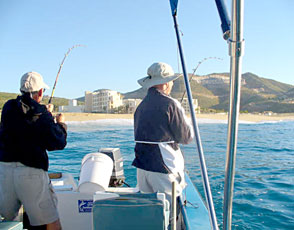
x: 209, y: 200
x: 174, y: 207
x: 236, y: 45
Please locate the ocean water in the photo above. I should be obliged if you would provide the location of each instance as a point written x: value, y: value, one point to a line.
x: 264, y: 180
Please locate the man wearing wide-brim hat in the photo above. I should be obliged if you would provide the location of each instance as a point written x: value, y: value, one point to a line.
x: 160, y: 125
x: 27, y: 130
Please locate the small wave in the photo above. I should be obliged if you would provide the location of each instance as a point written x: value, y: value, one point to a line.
x: 247, y: 122
x: 131, y: 122
x: 128, y: 122
x: 102, y: 122
x: 263, y: 122
x: 269, y: 122
x: 215, y: 121
x: 219, y: 121
x: 211, y: 121
x: 103, y: 125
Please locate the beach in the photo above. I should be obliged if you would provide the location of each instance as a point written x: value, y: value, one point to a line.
x: 213, y: 116
x: 247, y: 117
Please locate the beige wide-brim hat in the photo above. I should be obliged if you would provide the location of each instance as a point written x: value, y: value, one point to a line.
x: 32, y: 82
x: 158, y: 73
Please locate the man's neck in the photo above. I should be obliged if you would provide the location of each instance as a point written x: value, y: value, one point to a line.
x: 161, y: 91
x: 162, y: 88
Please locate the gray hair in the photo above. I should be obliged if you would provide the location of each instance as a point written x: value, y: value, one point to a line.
x: 31, y: 94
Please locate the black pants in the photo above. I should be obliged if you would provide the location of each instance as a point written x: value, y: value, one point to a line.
x: 27, y: 225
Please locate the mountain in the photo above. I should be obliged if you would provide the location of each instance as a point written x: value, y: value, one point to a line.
x: 212, y: 91
x: 56, y: 101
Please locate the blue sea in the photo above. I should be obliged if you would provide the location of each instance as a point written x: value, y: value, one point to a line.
x: 264, y: 180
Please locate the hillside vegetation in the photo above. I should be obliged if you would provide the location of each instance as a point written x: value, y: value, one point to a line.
x: 5, y: 97
x: 55, y: 101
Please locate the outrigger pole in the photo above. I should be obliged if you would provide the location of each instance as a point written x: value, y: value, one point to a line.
x: 60, y: 67
x: 236, y: 51
x: 223, y: 14
x: 209, y: 201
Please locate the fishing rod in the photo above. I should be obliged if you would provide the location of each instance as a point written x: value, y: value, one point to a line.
x: 207, y: 191
x: 194, y: 71
x: 60, y: 67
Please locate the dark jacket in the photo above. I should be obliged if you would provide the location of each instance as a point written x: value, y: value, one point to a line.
x: 27, y: 130
x: 160, y: 125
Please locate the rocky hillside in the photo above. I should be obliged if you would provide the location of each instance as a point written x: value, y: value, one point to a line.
x: 212, y: 91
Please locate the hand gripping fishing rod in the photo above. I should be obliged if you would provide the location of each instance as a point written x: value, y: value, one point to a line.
x: 209, y: 200
x: 60, y: 67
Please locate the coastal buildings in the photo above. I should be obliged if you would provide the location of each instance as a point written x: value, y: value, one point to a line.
x: 185, y: 104
x: 103, y: 101
x: 72, y: 107
x: 109, y: 101
x: 130, y: 105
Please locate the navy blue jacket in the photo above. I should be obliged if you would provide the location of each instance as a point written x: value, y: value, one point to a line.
x: 160, y: 125
x: 27, y: 130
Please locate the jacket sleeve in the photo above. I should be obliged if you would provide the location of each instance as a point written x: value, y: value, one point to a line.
x: 54, y: 134
x: 180, y: 125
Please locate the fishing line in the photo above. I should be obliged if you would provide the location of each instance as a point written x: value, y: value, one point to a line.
x: 126, y: 184
x: 193, y: 74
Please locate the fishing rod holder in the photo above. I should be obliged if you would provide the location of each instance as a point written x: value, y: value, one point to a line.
x: 236, y: 48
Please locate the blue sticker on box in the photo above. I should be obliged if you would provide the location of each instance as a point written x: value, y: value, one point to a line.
x: 85, y: 205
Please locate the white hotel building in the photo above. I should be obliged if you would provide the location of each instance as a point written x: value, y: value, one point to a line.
x: 109, y: 101
x: 102, y: 101
x: 72, y: 107
x: 185, y: 104
x: 131, y: 105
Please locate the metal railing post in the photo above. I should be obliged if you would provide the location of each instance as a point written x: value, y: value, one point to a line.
x: 236, y: 46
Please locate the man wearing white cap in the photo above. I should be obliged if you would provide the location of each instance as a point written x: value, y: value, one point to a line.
x: 27, y: 130
x: 160, y: 125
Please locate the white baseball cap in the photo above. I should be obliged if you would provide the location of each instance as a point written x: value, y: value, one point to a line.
x: 32, y: 82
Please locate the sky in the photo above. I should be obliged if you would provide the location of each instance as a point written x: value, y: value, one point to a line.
x: 123, y: 38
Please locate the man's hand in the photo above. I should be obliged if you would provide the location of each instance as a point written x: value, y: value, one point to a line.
x: 60, y: 118
x: 50, y: 108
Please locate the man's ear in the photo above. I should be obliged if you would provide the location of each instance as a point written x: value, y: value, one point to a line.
x: 40, y: 92
x: 166, y: 86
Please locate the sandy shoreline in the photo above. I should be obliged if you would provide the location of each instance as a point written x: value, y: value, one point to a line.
x: 217, y: 116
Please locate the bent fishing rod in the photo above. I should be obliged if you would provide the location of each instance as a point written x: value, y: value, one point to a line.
x: 194, y: 71
x: 60, y: 67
